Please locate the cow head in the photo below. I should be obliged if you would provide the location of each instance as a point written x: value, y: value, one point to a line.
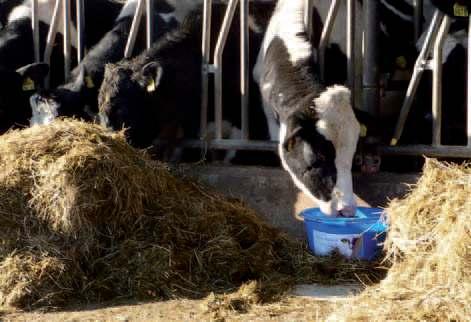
x: 15, y: 89
x: 317, y: 145
x: 125, y: 100
x: 71, y: 100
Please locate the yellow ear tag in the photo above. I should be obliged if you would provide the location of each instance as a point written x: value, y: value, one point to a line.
x: 363, y: 130
x: 89, y: 82
x: 460, y: 11
x: 151, y: 86
x: 28, y: 85
x: 401, y: 62
x: 393, y: 142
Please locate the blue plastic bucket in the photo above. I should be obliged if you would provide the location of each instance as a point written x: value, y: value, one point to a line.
x: 359, y: 237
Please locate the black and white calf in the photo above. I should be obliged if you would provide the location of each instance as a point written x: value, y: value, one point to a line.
x: 78, y: 97
x: 16, y: 51
x: 316, y: 127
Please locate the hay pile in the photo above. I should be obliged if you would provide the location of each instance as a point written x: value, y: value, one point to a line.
x: 85, y: 217
x: 429, y: 245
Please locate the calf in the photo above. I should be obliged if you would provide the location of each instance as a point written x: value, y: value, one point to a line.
x: 158, y: 90
x: 316, y: 127
x: 161, y: 89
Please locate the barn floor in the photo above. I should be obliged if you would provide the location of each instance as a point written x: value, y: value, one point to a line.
x: 270, y: 191
x: 305, y: 304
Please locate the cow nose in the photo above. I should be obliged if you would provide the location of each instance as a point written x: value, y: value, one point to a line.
x: 348, y: 211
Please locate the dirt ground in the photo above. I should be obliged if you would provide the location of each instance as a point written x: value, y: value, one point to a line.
x: 307, y: 303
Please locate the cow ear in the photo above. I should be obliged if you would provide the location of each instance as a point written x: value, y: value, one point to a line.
x: 290, y: 139
x: 33, y: 75
x: 152, y: 74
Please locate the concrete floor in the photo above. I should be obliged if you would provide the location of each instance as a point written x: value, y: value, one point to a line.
x: 271, y: 192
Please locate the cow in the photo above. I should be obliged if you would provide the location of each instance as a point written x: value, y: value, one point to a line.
x: 316, y: 127
x: 157, y: 91
x: 16, y: 87
x: 157, y: 95
x: 78, y: 96
x: 16, y: 53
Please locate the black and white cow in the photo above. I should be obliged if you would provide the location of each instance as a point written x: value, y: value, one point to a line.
x: 316, y: 127
x: 78, y: 97
x: 16, y: 50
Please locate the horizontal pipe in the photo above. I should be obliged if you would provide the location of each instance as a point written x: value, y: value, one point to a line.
x: 427, y: 150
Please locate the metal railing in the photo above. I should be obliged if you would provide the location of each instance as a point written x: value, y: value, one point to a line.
x: 433, y: 46
x: 61, y: 10
x: 430, y: 58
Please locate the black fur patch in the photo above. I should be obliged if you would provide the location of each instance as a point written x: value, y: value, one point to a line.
x: 310, y: 156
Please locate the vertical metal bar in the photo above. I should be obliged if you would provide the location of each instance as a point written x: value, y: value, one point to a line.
x: 308, y: 10
x: 351, y: 47
x: 205, y: 51
x: 419, y: 68
x: 469, y: 84
x: 67, y: 40
x: 326, y: 31
x: 81, y: 30
x: 221, y: 42
x: 371, y: 57
x: 35, y: 29
x: 134, y: 29
x: 437, y: 81
x: 418, y: 13
x: 244, y: 67
x: 150, y: 22
x: 51, y: 36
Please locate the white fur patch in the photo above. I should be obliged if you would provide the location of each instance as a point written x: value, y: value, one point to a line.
x: 167, y: 17
x: 128, y: 10
x: 45, y: 11
x: 44, y: 112
x: 339, y: 125
x: 287, y: 23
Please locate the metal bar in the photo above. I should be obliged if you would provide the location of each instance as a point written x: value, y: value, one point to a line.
x: 67, y: 40
x: 351, y: 46
x: 35, y: 28
x: 244, y: 67
x: 427, y: 150
x: 308, y: 10
x: 251, y: 145
x: 206, y: 52
x: 469, y: 85
x: 325, y: 36
x: 221, y: 42
x: 134, y: 29
x: 418, y: 13
x: 51, y: 36
x: 437, y: 81
x: 420, y: 66
x: 80, y: 30
x: 150, y: 22
x: 371, y: 57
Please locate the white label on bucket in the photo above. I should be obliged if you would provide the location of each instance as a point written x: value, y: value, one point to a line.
x: 347, y: 245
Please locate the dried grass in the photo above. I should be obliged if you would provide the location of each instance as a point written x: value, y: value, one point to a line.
x: 429, y: 246
x: 86, y: 218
